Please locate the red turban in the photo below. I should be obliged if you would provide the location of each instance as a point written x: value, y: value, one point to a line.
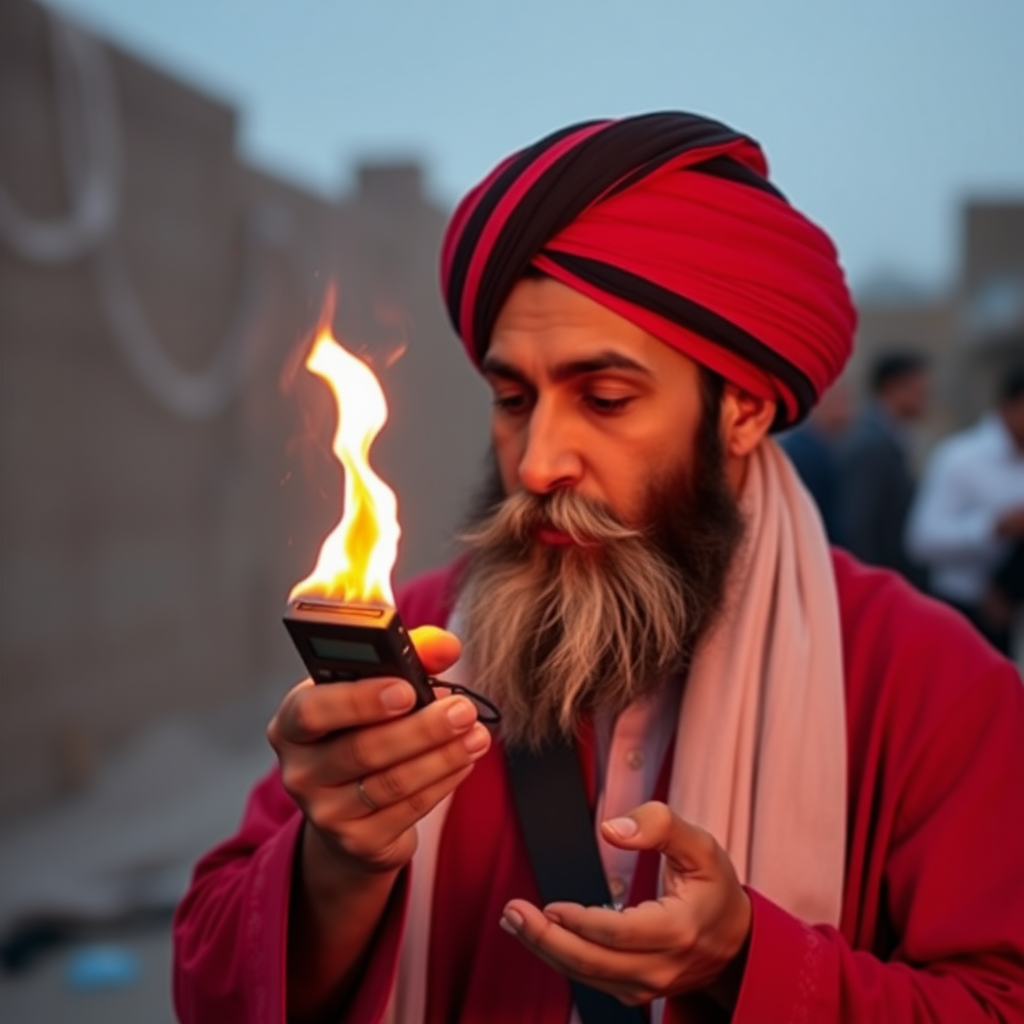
x: 669, y: 220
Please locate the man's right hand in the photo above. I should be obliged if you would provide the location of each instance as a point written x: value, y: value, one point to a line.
x: 332, y: 737
x: 329, y: 738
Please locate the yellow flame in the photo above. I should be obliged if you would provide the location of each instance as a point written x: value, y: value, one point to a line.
x: 357, y: 556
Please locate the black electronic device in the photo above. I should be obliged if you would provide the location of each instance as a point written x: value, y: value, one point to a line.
x: 341, y: 642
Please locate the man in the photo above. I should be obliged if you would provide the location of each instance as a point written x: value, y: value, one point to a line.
x: 820, y: 764
x: 876, y: 487
x: 813, y: 448
x: 967, y: 525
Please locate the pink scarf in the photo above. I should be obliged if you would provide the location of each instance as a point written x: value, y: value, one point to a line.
x: 761, y: 749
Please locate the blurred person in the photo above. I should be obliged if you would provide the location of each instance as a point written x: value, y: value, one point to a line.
x: 739, y: 775
x: 876, y: 485
x: 813, y: 448
x: 967, y: 525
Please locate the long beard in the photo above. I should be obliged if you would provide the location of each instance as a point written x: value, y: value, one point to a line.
x: 554, y: 632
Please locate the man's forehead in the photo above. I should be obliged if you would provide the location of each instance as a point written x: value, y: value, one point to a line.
x: 545, y: 323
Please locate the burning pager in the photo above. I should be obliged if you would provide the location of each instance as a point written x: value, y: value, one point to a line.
x: 345, y: 642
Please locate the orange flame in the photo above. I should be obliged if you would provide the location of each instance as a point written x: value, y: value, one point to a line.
x: 357, y: 556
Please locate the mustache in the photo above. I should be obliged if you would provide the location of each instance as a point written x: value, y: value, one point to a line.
x: 514, y: 522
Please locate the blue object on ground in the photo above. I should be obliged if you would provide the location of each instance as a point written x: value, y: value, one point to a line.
x: 100, y: 967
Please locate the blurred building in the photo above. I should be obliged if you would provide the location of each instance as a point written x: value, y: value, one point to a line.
x: 972, y: 331
x: 161, y: 492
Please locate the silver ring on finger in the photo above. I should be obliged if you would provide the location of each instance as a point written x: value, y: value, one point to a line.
x: 365, y: 797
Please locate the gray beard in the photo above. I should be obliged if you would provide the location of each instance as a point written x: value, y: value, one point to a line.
x: 555, y: 632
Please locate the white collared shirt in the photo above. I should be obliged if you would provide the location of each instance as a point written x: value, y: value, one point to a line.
x: 630, y: 752
x: 972, y: 480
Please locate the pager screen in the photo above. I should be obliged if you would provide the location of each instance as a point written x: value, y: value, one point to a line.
x: 337, y: 649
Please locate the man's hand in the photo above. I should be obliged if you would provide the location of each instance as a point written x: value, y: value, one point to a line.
x: 330, y: 739
x: 334, y: 737
x: 683, y: 942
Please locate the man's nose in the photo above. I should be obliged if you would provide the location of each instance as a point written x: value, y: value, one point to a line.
x: 551, y: 459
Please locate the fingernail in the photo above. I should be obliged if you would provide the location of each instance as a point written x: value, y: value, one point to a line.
x: 461, y: 714
x: 397, y: 697
x: 512, y: 922
x: 477, y: 739
x: 624, y: 827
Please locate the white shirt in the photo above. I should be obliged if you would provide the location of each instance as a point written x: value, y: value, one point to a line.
x: 972, y: 480
x: 630, y: 751
x: 629, y: 757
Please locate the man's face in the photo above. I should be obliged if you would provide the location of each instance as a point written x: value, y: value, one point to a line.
x: 600, y: 567
x: 586, y: 401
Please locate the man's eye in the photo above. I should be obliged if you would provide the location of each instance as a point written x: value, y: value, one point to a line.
x: 608, y: 404
x: 510, y: 403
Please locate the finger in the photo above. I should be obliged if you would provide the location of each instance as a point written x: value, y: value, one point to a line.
x: 361, y: 752
x: 401, y: 781
x: 438, y: 649
x: 310, y: 712
x: 343, y: 757
x: 371, y: 839
x: 597, y: 965
x: 530, y: 926
x: 654, y: 826
x: 651, y: 927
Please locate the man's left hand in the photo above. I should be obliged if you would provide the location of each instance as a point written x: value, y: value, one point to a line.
x: 685, y: 941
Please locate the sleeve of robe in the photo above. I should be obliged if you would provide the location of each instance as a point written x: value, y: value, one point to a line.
x: 231, y: 929
x: 932, y: 927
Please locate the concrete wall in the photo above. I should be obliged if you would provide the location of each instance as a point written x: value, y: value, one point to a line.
x: 146, y: 555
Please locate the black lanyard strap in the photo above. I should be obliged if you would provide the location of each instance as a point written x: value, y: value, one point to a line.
x: 559, y: 832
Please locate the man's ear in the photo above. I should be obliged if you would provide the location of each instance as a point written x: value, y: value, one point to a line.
x: 746, y: 419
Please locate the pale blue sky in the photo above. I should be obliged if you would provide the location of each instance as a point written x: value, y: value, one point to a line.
x: 877, y: 116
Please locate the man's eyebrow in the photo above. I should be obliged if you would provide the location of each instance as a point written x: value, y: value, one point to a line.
x: 597, y: 363
x: 492, y: 367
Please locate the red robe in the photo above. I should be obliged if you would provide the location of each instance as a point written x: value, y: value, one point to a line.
x: 932, y: 925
